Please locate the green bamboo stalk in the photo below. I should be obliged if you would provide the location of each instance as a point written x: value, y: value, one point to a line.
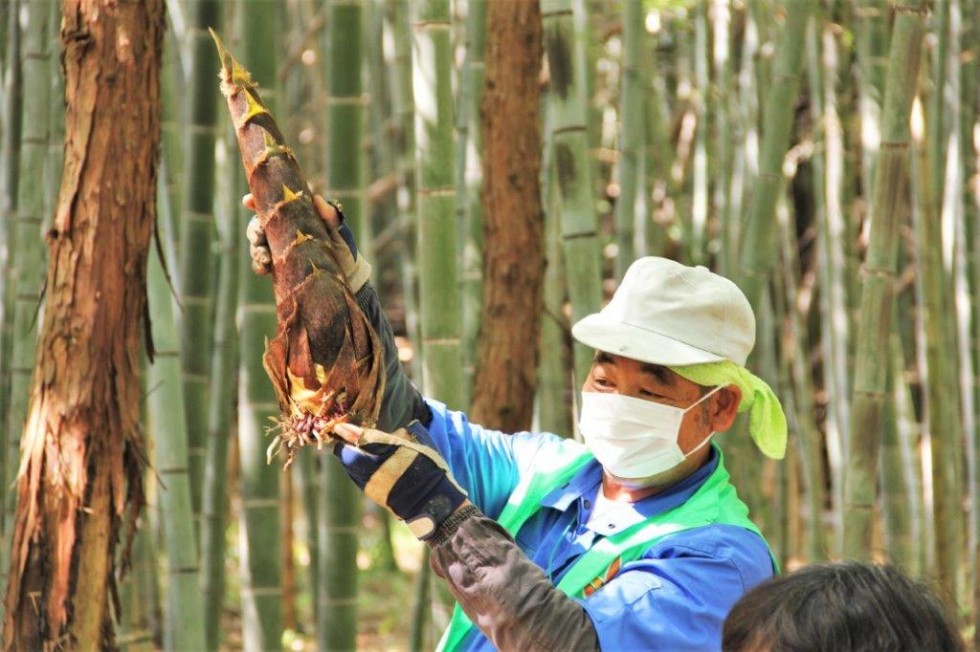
x: 970, y: 92
x: 10, y: 165
x: 436, y: 236
x: 172, y: 125
x: 403, y: 109
x: 684, y: 128
x: 555, y: 393
x: 196, y: 233
x: 872, y: 52
x: 965, y: 26
x: 808, y: 442
x: 139, y: 627
x: 224, y: 362
x: 758, y: 248
x: 27, y: 250
x: 469, y: 182
x: 567, y: 111
x: 941, y: 376
x: 746, y: 132
x: 54, y: 161
x: 900, y: 490
x: 184, y: 614
x: 723, y: 110
x: 860, y: 482
x: 587, y: 52
x: 631, y: 140
x: 955, y: 172
x: 699, y: 162
x: 340, y: 515
x: 657, y: 155
x: 828, y: 169
x: 259, y: 540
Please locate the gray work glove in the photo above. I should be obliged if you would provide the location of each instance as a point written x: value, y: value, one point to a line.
x: 356, y: 270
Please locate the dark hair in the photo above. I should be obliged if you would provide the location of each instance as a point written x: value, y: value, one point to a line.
x: 847, y: 606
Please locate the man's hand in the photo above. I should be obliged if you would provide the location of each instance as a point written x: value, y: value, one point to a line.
x: 355, y: 269
x: 403, y: 472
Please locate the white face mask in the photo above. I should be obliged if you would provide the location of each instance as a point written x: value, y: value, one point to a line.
x: 633, y: 438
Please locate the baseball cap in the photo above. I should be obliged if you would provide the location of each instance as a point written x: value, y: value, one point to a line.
x: 671, y: 314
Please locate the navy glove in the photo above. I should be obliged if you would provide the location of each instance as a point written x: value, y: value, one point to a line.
x: 403, y: 472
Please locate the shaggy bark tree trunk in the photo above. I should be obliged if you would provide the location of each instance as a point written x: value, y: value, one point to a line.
x: 81, y: 451
x: 505, y: 379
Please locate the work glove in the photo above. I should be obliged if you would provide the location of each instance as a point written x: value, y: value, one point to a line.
x: 403, y: 472
x: 355, y: 269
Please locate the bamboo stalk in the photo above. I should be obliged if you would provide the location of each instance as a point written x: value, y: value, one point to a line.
x: 567, y: 109
x: 339, y: 517
x: 469, y: 182
x: 758, y: 247
x: 555, y: 388
x: 699, y: 162
x: 941, y: 377
x: 436, y: 235
x: 224, y: 364
x: 10, y: 161
x: 196, y: 227
x: 829, y: 169
x: 26, y: 246
x: 809, y: 443
x: 183, y: 613
x: 901, y: 495
x: 880, y: 268
x: 630, y: 133
x: 725, y: 139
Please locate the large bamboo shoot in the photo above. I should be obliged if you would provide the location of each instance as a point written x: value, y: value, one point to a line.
x: 325, y: 360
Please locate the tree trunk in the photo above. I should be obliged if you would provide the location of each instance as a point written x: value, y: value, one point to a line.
x: 505, y: 379
x: 82, y: 450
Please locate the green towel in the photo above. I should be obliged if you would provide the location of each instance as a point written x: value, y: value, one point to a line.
x: 767, y: 423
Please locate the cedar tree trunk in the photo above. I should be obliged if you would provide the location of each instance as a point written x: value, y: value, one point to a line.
x: 505, y: 379
x: 81, y: 451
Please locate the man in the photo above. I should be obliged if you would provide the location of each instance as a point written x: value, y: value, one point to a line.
x: 635, y: 540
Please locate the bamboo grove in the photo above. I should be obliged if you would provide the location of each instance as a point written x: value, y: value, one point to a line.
x: 823, y: 154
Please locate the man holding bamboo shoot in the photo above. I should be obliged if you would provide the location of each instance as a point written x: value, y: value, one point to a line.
x: 634, y: 540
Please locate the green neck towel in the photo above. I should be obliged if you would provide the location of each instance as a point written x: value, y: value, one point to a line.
x: 767, y: 423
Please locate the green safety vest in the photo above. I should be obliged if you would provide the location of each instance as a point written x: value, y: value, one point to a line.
x: 715, y: 502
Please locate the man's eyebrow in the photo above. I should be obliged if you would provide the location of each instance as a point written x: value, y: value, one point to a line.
x: 660, y: 372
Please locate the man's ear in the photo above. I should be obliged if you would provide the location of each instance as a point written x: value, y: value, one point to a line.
x: 724, y: 407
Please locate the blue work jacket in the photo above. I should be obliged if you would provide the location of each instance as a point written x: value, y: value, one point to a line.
x: 675, y: 597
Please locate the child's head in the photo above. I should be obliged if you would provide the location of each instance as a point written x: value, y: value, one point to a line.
x: 847, y: 606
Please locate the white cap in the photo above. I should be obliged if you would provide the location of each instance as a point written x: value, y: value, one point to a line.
x: 670, y: 314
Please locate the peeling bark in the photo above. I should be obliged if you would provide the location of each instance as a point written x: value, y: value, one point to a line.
x: 82, y: 448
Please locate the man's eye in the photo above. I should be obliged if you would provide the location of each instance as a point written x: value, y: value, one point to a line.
x: 602, y: 382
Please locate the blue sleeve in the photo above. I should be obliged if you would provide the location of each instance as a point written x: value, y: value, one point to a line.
x: 677, y: 596
x: 487, y: 463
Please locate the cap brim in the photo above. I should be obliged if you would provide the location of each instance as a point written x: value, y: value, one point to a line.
x: 638, y: 343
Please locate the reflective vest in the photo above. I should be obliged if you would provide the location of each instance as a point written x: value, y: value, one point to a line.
x: 715, y: 502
